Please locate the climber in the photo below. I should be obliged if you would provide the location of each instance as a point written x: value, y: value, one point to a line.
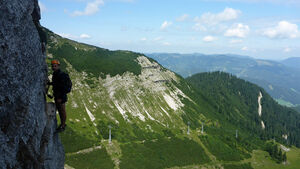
x: 61, y: 86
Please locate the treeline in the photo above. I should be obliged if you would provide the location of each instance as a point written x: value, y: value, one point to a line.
x: 236, y: 102
x: 275, y: 152
x: 90, y: 59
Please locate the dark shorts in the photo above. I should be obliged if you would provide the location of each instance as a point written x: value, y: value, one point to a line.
x: 63, y: 97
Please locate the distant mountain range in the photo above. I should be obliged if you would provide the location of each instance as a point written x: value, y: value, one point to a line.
x: 280, y: 79
x: 292, y: 62
x: 156, y: 116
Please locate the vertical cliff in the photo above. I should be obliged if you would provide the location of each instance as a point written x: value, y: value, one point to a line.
x: 27, y: 138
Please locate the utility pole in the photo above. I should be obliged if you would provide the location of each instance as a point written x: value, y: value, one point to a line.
x: 188, y: 130
x: 202, y: 128
x: 109, y: 137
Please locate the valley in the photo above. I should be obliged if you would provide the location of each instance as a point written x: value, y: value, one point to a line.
x: 156, y: 116
x: 279, y: 78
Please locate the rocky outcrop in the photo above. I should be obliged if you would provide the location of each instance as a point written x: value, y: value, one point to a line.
x: 27, y: 138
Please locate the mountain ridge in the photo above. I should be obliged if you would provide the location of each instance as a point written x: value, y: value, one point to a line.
x: 282, y: 79
x: 155, y: 116
x: 292, y: 62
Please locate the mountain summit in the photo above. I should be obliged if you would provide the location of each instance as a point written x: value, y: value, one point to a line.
x: 156, y: 118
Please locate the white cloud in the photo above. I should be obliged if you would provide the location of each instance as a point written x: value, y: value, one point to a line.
x: 143, y: 39
x: 183, y: 18
x: 158, y: 38
x: 209, y: 39
x: 42, y: 7
x: 239, y: 30
x: 234, y: 41
x: 245, y: 48
x: 199, y: 27
x: 212, y: 19
x: 84, y: 36
x: 287, y: 50
x: 166, y: 44
x: 283, y: 30
x: 165, y: 25
x: 90, y: 9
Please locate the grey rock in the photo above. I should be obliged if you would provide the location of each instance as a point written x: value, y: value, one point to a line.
x: 27, y: 138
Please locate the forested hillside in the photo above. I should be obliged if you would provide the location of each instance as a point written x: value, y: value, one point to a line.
x: 237, y: 102
x: 280, y: 80
x: 157, y: 118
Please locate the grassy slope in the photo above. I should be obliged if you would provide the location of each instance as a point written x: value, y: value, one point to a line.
x: 93, y: 60
x: 92, y: 160
x: 81, y: 132
x: 236, y: 101
x: 262, y: 160
x: 165, y: 147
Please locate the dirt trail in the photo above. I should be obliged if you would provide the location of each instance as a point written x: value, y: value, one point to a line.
x: 84, y: 151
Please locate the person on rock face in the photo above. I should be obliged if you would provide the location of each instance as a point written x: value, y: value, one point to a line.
x: 59, y: 79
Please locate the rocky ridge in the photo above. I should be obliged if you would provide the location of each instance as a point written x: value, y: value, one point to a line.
x: 27, y: 138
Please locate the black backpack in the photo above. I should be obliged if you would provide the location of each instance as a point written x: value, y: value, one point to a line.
x: 67, y: 83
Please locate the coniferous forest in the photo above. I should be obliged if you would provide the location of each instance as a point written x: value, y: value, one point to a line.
x: 236, y: 102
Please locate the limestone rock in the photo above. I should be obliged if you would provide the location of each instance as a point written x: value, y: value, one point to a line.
x: 27, y: 138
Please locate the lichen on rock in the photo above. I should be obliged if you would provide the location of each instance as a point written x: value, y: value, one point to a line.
x: 27, y: 138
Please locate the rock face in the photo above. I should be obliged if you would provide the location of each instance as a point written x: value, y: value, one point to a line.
x: 27, y: 138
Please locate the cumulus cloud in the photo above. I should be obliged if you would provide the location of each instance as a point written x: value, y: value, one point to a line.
x: 90, y: 9
x: 165, y: 25
x: 245, y: 48
x: 212, y: 19
x: 209, y: 39
x: 166, y: 44
x: 234, y: 41
x: 182, y: 18
x: 199, y: 27
x: 239, y: 30
x: 158, y: 38
x: 84, y: 36
x: 283, y: 30
x: 143, y: 39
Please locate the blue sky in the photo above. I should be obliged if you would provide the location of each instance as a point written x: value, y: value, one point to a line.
x: 266, y: 29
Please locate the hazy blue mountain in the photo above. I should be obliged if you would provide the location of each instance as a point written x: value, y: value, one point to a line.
x: 292, y: 62
x: 156, y: 116
x: 280, y: 80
